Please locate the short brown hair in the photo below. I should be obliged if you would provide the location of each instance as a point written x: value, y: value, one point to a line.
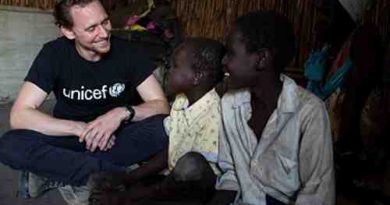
x: 62, y: 11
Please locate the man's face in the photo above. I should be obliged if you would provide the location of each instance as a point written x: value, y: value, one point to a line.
x: 91, y: 30
x: 239, y: 63
x: 181, y: 76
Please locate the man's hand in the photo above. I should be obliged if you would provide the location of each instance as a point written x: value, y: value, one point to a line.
x: 99, y: 133
x: 78, y: 128
x: 110, y: 144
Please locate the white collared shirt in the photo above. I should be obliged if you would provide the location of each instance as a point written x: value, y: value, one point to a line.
x: 292, y: 162
x: 194, y: 128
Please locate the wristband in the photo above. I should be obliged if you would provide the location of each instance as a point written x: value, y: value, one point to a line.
x: 131, y: 113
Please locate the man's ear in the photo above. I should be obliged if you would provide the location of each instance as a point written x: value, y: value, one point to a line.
x: 68, y: 33
x: 264, y: 58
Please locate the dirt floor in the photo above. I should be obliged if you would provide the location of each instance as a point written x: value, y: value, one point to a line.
x: 9, y: 177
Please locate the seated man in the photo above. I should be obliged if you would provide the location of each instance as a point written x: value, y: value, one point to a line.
x: 95, y: 126
x: 277, y: 148
x: 193, y: 127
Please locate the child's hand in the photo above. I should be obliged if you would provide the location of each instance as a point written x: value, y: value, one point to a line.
x: 105, y: 198
x: 139, y: 191
x: 107, y: 181
x: 106, y: 188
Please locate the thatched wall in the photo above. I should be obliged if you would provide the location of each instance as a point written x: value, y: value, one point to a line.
x: 49, y: 4
x: 40, y: 4
x: 211, y: 18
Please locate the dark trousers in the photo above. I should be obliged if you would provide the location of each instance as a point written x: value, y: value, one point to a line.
x: 65, y: 160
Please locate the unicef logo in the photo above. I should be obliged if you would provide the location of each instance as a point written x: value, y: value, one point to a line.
x: 117, y: 89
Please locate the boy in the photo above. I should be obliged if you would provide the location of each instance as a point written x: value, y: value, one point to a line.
x: 277, y: 148
x: 193, y: 128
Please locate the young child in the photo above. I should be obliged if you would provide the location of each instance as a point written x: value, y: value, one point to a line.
x: 277, y: 147
x: 193, y: 127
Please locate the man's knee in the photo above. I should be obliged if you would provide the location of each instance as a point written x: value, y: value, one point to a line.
x: 158, y: 124
x: 153, y: 127
x: 12, y: 148
x: 191, y: 167
x: 7, y: 142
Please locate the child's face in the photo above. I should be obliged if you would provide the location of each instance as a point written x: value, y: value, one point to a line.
x: 181, y: 76
x: 239, y: 63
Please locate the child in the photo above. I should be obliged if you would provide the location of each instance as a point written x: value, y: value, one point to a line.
x: 193, y: 128
x: 277, y: 147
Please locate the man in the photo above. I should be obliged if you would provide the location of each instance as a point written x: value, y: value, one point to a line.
x: 277, y: 147
x: 95, y: 126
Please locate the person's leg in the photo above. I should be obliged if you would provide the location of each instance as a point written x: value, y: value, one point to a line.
x: 64, y: 159
x: 191, y: 182
x: 61, y: 159
x: 136, y: 142
x: 192, y: 179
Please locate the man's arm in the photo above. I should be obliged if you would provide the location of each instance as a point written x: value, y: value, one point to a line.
x: 153, y: 97
x: 99, y: 132
x: 316, y: 160
x: 25, y: 114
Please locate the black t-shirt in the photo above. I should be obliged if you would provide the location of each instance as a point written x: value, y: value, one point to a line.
x: 84, y: 89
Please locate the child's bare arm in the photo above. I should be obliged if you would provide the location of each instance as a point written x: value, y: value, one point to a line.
x: 113, y: 188
x: 110, y: 180
x: 153, y: 166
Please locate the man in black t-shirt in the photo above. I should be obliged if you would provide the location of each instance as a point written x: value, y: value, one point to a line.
x: 95, y: 126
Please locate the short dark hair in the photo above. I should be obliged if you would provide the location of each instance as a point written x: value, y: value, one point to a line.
x: 62, y: 11
x: 268, y: 29
x: 206, y: 56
